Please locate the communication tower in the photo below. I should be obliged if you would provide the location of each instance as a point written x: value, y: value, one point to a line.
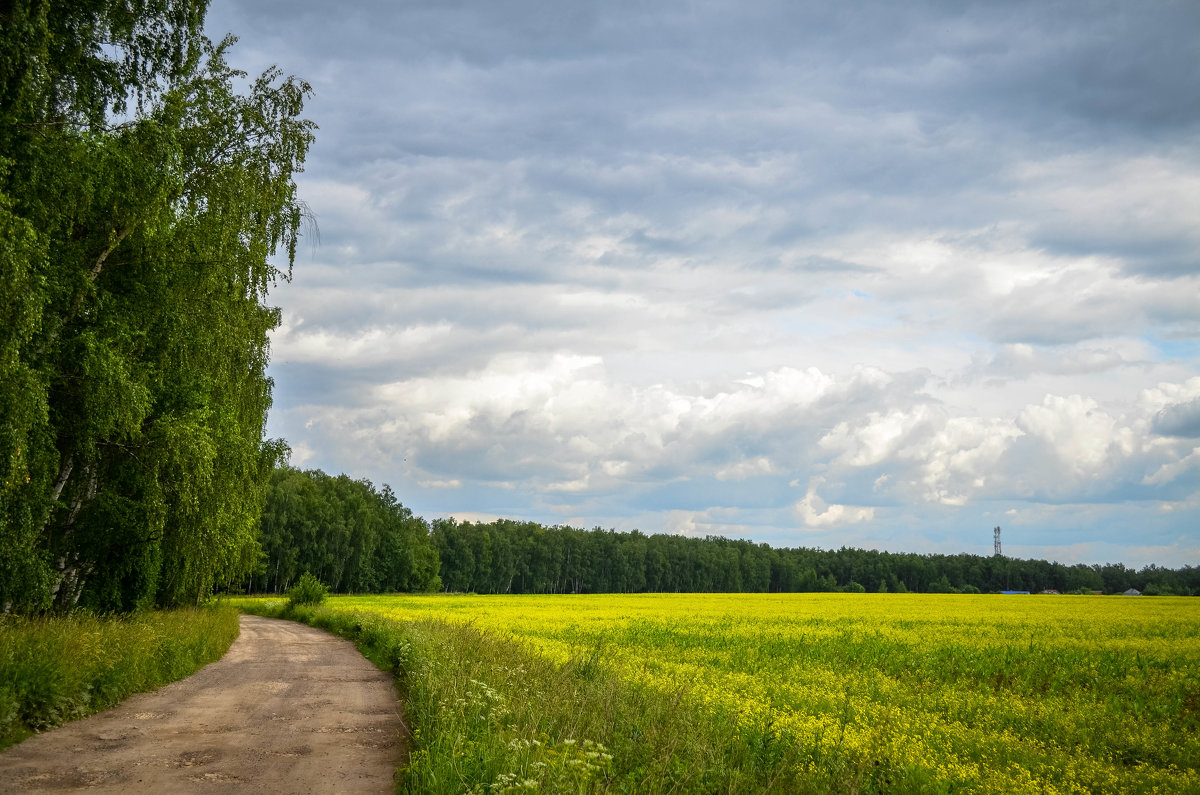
x: 996, y: 540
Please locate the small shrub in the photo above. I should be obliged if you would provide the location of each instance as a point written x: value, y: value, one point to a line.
x: 308, y: 591
x: 942, y: 585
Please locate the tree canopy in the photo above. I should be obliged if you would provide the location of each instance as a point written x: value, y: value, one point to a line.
x: 358, y: 539
x: 349, y: 535
x: 506, y: 556
x: 143, y: 200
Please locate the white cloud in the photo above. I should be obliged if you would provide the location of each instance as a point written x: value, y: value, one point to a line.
x: 1076, y: 431
x: 898, y: 254
x: 440, y: 484
x: 716, y: 521
x: 300, y: 454
x: 357, y: 347
x: 1173, y: 470
x: 746, y: 468
x: 815, y: 513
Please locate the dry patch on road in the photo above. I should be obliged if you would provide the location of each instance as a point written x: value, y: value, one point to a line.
x: 289, y: 709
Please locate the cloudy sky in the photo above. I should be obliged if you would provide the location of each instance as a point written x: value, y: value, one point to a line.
x: 870, y: 274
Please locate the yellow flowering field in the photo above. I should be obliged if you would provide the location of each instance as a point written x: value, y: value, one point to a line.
x: 979, y: 693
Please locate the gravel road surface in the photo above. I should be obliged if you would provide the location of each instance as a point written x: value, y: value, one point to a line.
x: 289, y: 709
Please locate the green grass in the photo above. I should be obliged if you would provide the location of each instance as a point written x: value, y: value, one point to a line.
x: 487, y: 715
x: 57, y: 669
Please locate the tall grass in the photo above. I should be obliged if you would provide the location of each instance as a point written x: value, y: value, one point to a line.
x: 57, y: 669
x: 487, y: 715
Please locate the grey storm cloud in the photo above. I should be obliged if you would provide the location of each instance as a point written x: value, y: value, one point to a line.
x: 860, y: 272
x: 1179, y: 419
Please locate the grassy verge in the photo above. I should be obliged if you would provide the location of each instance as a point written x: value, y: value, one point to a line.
x: 489, y: 716
x: 57, y: 669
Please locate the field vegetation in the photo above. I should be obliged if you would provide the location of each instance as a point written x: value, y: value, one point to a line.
x: 822, y: 692
x: 58, y: 668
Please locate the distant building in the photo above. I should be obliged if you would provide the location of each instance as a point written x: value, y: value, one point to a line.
x: 1010, y: 593
x: 1132, y: 592
x: 1051, y: 592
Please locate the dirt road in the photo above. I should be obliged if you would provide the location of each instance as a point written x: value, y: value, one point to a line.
x: 289, y: 709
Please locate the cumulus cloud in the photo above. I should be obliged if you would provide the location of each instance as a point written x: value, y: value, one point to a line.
x: 746, y: 468
x: 815, y: 513
x: 561, y: 424
x: 1022, y: 360
x: 1179, y: 419
x: 862, y: 272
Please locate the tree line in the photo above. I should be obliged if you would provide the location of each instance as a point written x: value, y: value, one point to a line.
x: 350, y: 536
x: 358, y: 539
x: 145, y: 189
x: 505, y: 556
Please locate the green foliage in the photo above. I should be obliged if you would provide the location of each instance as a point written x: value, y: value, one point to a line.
x: 141, y: 197
x: 942, y: 585
x: 55, y: 669
x: 505, y: 556
x: 350, y: 535
x: 307, y: 591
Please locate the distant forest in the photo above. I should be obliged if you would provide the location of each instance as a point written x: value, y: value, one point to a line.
x: 357, y: 539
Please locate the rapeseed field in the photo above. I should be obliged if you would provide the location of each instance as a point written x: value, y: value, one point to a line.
x: 803, y: 692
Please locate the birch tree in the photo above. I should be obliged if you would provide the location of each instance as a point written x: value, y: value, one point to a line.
x: 146, y: 207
